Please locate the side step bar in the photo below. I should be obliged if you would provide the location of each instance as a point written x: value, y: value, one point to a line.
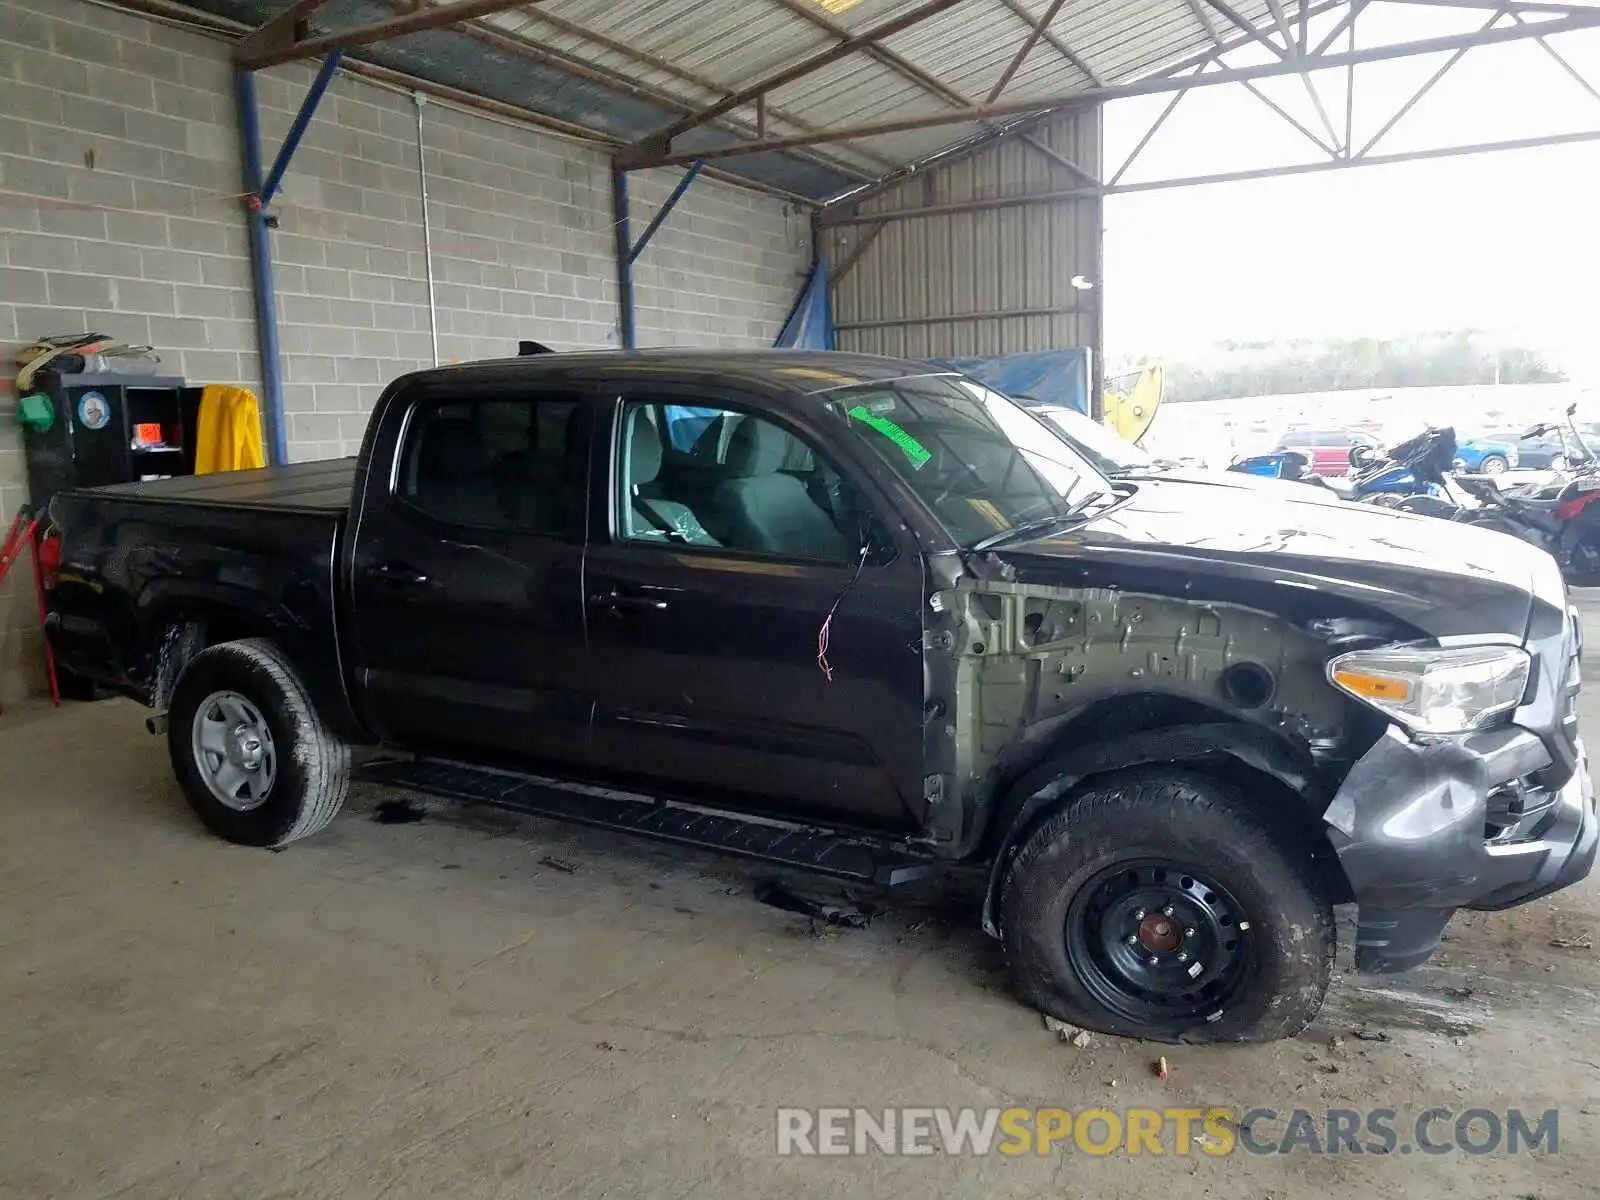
x: 788, y: 845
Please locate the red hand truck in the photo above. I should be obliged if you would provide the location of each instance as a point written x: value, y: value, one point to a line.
x: 24, y: 533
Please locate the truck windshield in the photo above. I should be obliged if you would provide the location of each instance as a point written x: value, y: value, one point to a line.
x: 1108, y: 452
x: 981, y: 463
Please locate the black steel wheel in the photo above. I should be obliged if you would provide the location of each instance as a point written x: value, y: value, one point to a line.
x: 1164, y: 904
x: 1158, y: 940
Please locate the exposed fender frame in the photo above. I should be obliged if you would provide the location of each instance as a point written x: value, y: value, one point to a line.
x: 1041, y: 790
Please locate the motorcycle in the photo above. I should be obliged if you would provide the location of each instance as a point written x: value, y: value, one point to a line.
x: 1372, y: 475
x: 1563, y: 519
x: 1282, y: 464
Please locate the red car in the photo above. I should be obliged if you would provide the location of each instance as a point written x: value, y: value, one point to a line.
x: 1328, y: 449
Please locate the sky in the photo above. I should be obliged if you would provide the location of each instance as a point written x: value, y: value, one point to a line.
x: 1507, y: 242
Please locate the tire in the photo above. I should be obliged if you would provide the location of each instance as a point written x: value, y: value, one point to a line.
x: 1223, y: 862
x: 1583, y: 559
x: 1493, y: 464
x: 301, y: 773
x: 1558, y: 463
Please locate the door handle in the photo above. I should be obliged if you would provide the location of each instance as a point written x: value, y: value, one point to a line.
x: 624, y: 603
x: 397, y: 575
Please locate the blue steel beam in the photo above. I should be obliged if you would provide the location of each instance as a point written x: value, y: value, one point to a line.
x: 266, y: 297
x: 297, y: 130
x: 664, y: 212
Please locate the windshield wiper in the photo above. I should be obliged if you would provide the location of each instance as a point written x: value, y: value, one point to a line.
x: 1038, y: 524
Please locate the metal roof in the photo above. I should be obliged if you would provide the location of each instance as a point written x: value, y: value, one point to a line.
x: 672, y: 80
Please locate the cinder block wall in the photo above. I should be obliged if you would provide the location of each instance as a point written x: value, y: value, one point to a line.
x: 120, y: 212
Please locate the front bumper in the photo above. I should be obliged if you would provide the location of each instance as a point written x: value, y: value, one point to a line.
x: 1482, y: 822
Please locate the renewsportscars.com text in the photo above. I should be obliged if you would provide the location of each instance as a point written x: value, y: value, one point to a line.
x: 973, y: 1132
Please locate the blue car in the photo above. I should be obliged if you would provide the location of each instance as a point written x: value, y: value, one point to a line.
x: 1489, y: 455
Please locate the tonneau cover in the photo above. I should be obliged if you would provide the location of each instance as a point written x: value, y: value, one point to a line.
x: 322, y: 487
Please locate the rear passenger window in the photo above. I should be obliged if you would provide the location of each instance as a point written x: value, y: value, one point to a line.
x: 500, y: 464
x: 740, y: 482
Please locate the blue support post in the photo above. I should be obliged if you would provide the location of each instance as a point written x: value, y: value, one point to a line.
x: 297, y: 130
x: 624, y: 254
x: 666, y: 210
x: 266, y: 296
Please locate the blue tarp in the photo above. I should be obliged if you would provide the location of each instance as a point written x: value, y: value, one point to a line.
x: 1052, y: 376
x: 810, y: 323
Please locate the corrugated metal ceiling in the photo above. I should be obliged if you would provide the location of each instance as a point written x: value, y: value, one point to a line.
x: 626, y: 68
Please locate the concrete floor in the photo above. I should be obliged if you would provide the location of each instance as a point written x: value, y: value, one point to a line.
x: 484, y: 1006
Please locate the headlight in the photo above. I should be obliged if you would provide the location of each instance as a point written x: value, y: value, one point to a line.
x: 1437, y: 691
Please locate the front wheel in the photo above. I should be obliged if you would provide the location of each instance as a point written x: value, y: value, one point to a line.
x: 1558, y: 464
x: 1493, y: 464
x: 254, y: 760
x: 1159, y: 904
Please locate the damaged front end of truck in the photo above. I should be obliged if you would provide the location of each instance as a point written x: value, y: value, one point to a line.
x: 1037, y: 687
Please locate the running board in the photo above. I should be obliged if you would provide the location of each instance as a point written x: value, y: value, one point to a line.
x: 770, y: 841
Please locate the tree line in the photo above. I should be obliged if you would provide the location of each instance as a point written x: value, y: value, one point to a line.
x: 1337, y: 364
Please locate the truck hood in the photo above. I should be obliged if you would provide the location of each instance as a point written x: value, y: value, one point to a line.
x: 1286, y: 489
x: 1444, y: 579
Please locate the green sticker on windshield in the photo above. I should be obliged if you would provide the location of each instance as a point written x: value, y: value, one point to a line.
x: 913, y: 449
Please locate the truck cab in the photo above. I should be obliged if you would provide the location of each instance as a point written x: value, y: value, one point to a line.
x: 857, y: 615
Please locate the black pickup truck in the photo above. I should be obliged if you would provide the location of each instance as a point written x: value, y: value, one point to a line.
x: 843, y: 613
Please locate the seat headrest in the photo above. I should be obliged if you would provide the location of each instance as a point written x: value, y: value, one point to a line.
x: 644, y: 451
x: 757, y: 448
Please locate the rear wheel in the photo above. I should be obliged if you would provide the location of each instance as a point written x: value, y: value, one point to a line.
x: 253, y: 758
x: 1583, y: 560
x: 1558, y: 463
x: 1159, y: 904
x: 1493, y: 464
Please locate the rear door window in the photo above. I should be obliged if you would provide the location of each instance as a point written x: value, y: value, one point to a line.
x: 518, y: 464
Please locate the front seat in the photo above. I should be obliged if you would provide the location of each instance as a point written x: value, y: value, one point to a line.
x: 758, y: 507
x: 653, y: 514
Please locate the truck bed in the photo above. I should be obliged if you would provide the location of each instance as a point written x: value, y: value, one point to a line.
x: 315, y: 487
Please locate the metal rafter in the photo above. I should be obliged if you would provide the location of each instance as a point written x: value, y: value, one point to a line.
x: 1036, y: 31
x: 1292, y: 120
x: 1427, y: 86
x: 1250, y: 30
x: 1202, y: 16
x: 1577, y: 76
x: 542, y: 16
x: 655, y: 151
x: 513, y: 44
x: 1019, y: 128
x: 928, y: 83
x: 1155, y: 127
x: 1524, y: 6
x: 898, y: 63
x: 279, y: 40
x: 1055, y: 43
x: 816, y: 62
x: 1297, y: 52
x: 1156, y: 185
x: 1343, y: 24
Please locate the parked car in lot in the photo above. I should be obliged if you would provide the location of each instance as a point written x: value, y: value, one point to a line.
x: 1117, y: 458
x: 1497, y: 453
x: 871, y: 621
x: 1328, y: 449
